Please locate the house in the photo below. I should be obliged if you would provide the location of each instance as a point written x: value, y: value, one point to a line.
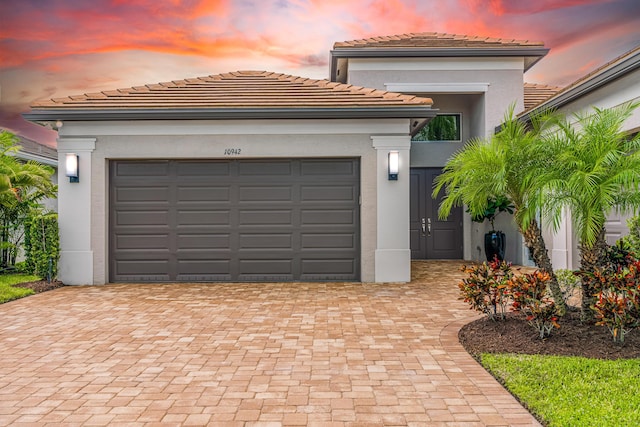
x: 607, y: 86
x: 244, y: 176
x: 259, y: 176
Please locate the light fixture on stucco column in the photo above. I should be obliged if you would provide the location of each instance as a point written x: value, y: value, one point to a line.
x: 394, y: 165
x: 71, y: 167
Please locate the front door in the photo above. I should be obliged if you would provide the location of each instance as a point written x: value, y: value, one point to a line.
x: 432, y: 238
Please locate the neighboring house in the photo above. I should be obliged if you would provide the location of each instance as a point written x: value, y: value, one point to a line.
x: 608, y: 86
x: 32, y: 150
x: 258, y: 176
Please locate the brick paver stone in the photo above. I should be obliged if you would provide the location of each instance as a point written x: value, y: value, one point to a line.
x: 248, y: 354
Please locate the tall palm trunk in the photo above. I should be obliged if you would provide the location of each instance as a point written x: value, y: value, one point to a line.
x: 591, y: 258
x: 534, y: 241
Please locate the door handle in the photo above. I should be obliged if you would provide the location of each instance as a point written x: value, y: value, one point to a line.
x: 429, y: 226
x: 424, y: 226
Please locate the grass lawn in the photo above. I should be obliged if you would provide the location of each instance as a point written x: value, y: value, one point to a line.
x: 8, y: 292
x: 572, y: 391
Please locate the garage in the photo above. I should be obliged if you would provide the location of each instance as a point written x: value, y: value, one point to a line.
x: 234, y: 220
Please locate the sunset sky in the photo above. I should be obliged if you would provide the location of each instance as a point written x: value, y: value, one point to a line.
x: 53, y: 48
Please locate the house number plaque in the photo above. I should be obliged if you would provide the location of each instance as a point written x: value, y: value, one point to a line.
x: 232, y: 151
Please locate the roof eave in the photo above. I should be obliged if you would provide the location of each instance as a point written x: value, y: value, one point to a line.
x: 53, y: 114
x: 606, y: 76
x: 536, y: 53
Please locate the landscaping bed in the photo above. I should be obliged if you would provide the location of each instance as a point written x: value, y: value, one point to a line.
x: 40, y: 286
x: 573, y: 338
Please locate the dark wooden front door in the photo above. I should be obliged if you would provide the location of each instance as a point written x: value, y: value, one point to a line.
x: 432, y: 238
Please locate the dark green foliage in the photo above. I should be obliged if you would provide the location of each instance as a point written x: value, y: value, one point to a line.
x: 43, y: 248
x: 440, y: 128
x: 495, y: 206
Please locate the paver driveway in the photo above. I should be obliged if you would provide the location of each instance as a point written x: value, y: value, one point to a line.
x: 248, y: 354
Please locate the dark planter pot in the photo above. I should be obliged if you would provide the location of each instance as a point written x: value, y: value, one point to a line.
x: 494, y: 243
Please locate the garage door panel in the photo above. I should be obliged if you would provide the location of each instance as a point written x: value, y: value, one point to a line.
x: 202, y: 217
x: 142, y: 169
x: 266, y: 266
x: 203, y: 194
x: 202, y: 169
x: 204, y: 241
x: 265, y: 241
x: 265, y: 194
x: 333, y: 168
x: 142, y: 241
x: 235, y: 220
x: 334, y: 267
x: 140, y: 195
x: 265, y: 168
x: 142, y: 218
x: 264, y: 217
x: 330, y: 241
x: 325, y: 192
x: 328, y: 217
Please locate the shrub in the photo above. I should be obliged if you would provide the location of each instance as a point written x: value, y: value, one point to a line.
x: 632, y: 240
x: 42, y: 245
x: 569, y: 283
x: 486, y: 288
x: 529, y: 293
x: 617, y: 289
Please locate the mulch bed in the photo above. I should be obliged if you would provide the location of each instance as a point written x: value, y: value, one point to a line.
x: 41, y: 286
x: 515, y: 335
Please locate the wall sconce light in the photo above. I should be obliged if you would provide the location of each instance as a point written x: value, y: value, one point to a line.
x: 72, y: 167
x: 394, y: 165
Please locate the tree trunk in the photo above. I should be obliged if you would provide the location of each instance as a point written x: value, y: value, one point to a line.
x: 590, y: 259
x: 534, y: 241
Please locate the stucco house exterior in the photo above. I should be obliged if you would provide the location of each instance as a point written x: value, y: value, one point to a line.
x: 607, y: 86
x: 259, y: 176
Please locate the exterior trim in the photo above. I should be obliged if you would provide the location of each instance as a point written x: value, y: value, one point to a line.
x: 438, y: 87
x: 532, y: 55
x: 230, y: 113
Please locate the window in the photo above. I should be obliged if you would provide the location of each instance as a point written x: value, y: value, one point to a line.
x: 443, y: 127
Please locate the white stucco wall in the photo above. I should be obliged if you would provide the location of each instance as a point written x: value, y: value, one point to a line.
x: 84, y: 207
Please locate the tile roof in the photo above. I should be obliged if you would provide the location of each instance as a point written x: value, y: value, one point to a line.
x: 236, y: 90
x: 436, y: 40
x: 619, y: 66
x: 534, y: 93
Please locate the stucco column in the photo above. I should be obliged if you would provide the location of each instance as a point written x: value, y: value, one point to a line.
x: 561, y: 243
x: 74, y: 213
x: 393, y: 253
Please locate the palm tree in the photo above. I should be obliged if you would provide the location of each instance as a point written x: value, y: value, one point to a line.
x: 596, y: 171
x: 22, y: 187
x: 505, y: 165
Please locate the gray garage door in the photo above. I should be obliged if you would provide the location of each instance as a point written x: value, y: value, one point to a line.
x: 236, y: 220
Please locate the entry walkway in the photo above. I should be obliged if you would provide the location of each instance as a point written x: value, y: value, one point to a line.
x: 330, y: 354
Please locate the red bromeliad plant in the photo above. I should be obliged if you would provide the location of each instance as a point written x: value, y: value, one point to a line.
x: 529, y: 294
x: 486, y: 288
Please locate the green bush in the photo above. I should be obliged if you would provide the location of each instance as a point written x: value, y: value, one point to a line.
x: 569, y: 283
x: 632, y: 240
x: 42, y: 245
